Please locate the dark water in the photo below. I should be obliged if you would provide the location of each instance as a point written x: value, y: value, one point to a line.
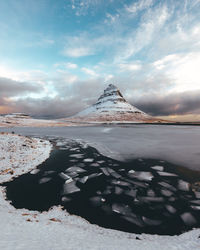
x: 141, y: 196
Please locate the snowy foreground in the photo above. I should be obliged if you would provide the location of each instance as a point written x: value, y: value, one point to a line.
x: 56, y: 229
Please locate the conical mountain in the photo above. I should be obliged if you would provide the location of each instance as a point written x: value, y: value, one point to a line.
x: 112, y: 107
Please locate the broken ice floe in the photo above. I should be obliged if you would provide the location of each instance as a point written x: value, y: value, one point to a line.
x: 148, y: 176
x: 35, y: 171
x: 183, y: 185
x: 44, y: 180
x: 70, y: 187
x: 188, y: 219
x: 88, y: 160
x: 158, y: 168
x: 139, y: 196
x: 167, y: 174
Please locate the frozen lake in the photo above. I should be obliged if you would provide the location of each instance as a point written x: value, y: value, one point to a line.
x: 176, y: 144
x: 138, y: 196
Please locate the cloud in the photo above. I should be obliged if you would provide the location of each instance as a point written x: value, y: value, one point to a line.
x: 111, y: 18
x: 11, y: 88
x: 78, y: 52
x: 139, y: 6
x: 49, y: 107
x: 173, y: 104
x: 130, y: 66
x: 81, y: 8
x: 71, y: 65
x: 69, y: 100
x: 89, y: 72
x: 182, y: 68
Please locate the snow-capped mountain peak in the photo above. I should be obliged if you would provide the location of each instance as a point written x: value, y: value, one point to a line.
x: 111, y: 93
x: 111, y: 106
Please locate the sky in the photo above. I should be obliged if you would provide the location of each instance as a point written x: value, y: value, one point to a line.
x: 56, y: 57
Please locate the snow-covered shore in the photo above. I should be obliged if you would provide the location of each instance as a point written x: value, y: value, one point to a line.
x: 19, y: 154
x: 56, y: 229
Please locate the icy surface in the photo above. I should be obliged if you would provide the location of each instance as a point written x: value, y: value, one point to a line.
x: 176, y: 144
x: 23, y: 229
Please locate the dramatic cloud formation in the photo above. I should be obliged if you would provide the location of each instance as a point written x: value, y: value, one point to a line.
x: 176, y: 104
x: 57, y: 58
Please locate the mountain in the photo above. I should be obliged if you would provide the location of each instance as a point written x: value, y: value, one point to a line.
x: 112, y: 107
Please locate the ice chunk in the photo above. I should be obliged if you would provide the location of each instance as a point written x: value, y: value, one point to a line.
x: 195, y: 207
x: 72, y: 174
x: 74, y: 160
x: 118, y: 208
x: 115, y: 174
x: 147, y: 176
x: 105, y: 171
x: 94, y: 175
x: 139, y: 184
x: 69, y: 180
x: 58, y: 144
x: 88, y: 160
x: 167, y: 185
x: 70, y: 188
x: 166, y: 192
x: 74, y: 149
x: 75, y: 169
x: 100, y: 162
x: 120, y: 183
x: 197, y: 194
x: 83, y: 180
x: 65, y: 199
x: 150, y: 199
x: 158, y: 168
x: 188, y: 219
x: 195, y: 202
x: 64, y: 176
x: 44, y: 180
x: 49, y: 172
x: 35, y: 171
x: 183, y: 185
x: 118, y: 190
x: 134, y: 220
x: 151, y: 222
x: 78, y: 156
x: 167, y: 174
x: 171, y: 209
x: 94, y: 165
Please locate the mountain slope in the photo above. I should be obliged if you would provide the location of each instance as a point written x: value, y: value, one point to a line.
x: 112, y: 107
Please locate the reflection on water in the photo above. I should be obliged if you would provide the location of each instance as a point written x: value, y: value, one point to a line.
x: 142, y: 196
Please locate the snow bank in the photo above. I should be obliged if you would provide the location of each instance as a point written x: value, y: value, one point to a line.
x: 19, y: 154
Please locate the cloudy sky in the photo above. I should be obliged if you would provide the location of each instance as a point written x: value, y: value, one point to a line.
x: 56, y: 57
